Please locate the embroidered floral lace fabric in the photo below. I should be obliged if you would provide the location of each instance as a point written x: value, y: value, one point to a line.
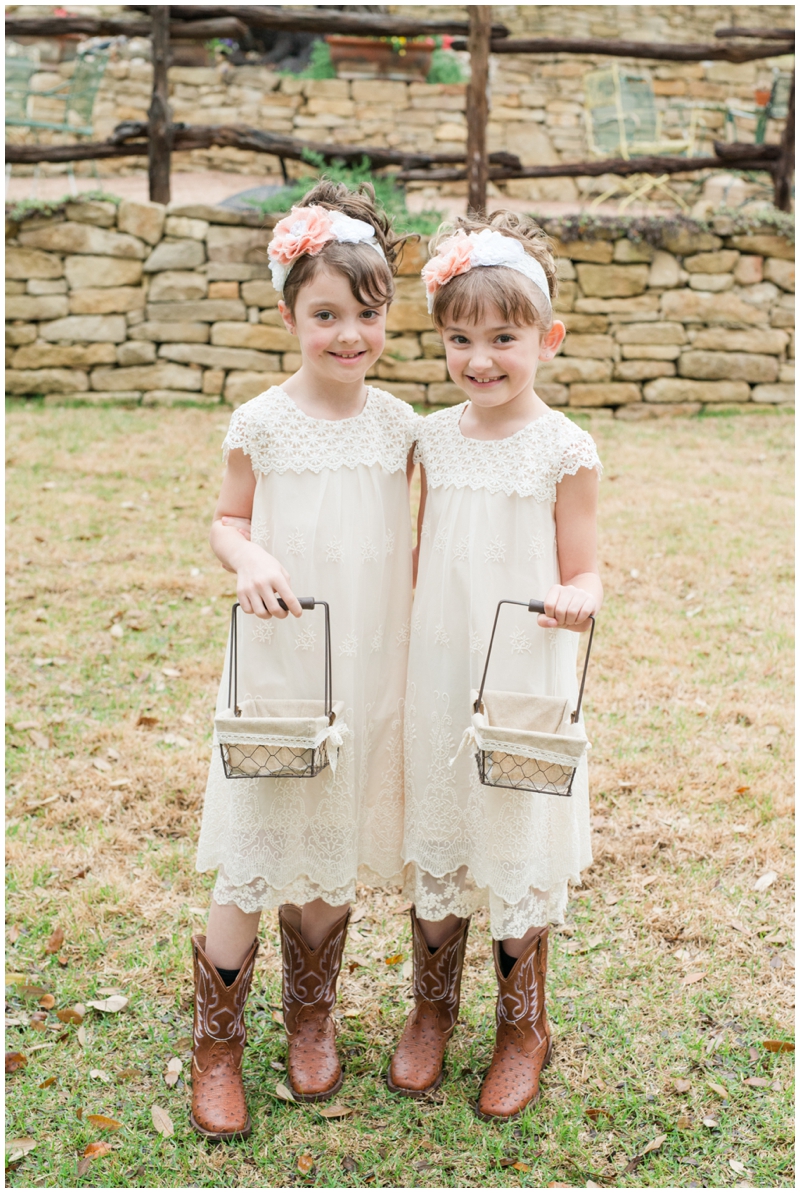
x: 331, y: 503
x: 489, y: 534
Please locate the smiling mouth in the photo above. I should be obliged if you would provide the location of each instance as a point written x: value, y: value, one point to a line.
x: 348, y: 355
x: 485, y: 380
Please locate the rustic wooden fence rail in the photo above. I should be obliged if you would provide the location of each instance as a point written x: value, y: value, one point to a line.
x: 204, y: 21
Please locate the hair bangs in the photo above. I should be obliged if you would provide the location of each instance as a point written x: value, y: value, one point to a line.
x: 370, y: 278
x: 468, y: 296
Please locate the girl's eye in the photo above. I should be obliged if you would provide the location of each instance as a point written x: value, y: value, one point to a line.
x: 369, y: 314
x: 505, y: 339
x: 326, y: 316
x: 460, y: 340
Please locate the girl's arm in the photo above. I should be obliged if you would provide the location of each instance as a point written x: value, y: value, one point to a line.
x: 569, y: 604
x: 260, y: 579
x: 423, y: 493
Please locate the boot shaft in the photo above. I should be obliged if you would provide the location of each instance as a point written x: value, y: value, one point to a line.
x: 437, y: 976
x: 309, y: 976
x: 521, y: 995
x: 219, y: 1009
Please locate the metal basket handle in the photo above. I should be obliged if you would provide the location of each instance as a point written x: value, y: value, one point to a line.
x: 233, y: 669
x: 535, y: 607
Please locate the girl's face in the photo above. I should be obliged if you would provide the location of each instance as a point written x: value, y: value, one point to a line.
x: 494, y: 362
x: 339, y: 336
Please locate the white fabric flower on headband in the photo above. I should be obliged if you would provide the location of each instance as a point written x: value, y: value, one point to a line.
x: 462, y: 252
x: 305, y: 231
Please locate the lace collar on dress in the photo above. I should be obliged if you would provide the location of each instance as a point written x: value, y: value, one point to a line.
x: 279, y: 437
x: 529, y: 463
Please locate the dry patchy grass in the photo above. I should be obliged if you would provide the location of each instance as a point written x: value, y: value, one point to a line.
x: 117, y: 619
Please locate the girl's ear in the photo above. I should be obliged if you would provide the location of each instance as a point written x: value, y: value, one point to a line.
x: 550, y: 343
x: 288, y: 317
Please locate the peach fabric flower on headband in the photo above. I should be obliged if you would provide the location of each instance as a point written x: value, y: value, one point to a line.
x: 452, y: 258
x: 305, y: 231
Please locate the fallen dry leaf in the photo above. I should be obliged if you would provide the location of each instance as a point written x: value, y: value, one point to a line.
x: 173, y: 1071
x: 110, y: 1005
x: 336, y: 1111
x: 162, y: 1122
x: 395, y: 959
x: 103, y: 1122
x: 737, y: 1166
x: 81, y: 1034
x: 170, y: 673
x: 282, y: 1092
x: 520, y: 1167
x: 718, y: 1089
x: 654, y: 1145
x: 48, y: 1081
x: 710, y: 1122
x: 757, y: 1082
x: 100, y: 1075
x: 691, y: 978
x: 304, y: 1164
x: 47, y: 1003
x: 17, y: 1148
x: 277, y: 1017
x: 684, y: 1122
x: 93, y: 1150
x: 682, y: 1085
x: 101, y: 764
x: 766, y: 880
x: 55, y: 941
x: 278, y: 1064
x: 40, y: 740
x: 128, y: 1074
x: 15, y: 1061
x: 740, y: 927
x: 778, y: 1045
x: 610, y: 899
x: 70, y: 1015
x: 13, y: 934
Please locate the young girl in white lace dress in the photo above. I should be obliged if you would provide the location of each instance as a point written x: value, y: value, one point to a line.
x: 509, y: 496
x: 317, y: 471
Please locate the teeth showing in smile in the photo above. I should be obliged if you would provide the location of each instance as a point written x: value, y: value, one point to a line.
x: 484, y: 380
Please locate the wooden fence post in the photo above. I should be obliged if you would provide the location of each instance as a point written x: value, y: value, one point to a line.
x: 480, y: 27
x: 783, y: 172
x: 159, y: 117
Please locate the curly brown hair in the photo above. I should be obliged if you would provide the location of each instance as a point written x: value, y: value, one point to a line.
x: 371, y: 279
x: 468, y: 295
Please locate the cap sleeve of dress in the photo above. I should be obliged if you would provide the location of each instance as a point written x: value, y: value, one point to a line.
x: 246, y: 429
x: 577, y: 450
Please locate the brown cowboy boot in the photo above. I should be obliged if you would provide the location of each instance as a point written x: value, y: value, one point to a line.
x: 416, y: 1067
x: 219, y: 1110
x: 309, y: 996
x: 524, y: 1041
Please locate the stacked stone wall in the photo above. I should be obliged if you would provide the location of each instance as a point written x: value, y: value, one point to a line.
x: 144, y: 304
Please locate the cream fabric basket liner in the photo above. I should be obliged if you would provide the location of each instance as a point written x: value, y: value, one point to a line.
x: 286, y: 727
x: 527, y: 726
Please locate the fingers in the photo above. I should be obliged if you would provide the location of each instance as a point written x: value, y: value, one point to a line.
x: 567, y: 607
x: 291, y: 601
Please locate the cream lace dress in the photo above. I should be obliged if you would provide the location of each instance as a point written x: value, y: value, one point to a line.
x: 331, y: 503
x: 488, y: 533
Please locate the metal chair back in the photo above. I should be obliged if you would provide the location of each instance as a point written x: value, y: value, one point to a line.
x: 78, y: 93
x: 20, y: 67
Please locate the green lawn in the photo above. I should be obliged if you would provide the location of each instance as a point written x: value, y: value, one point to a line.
x: 675, y: 965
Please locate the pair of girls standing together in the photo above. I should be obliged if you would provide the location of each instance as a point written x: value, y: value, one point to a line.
x: 315, y: 501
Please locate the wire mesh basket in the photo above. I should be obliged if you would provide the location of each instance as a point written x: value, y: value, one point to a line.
x: 526, y: 742
x: 268, y: 738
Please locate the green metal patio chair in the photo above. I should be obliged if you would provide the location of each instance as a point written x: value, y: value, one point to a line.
x: 77, y: 93
x: 776, y: 108
x: 622, y: 120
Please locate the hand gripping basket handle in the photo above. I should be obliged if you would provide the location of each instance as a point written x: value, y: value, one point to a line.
x: 535, y: 607
x: 233, y: 670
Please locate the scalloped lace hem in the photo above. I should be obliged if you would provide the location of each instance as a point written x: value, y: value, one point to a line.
x: 458, y: 894
x: 260, y: 895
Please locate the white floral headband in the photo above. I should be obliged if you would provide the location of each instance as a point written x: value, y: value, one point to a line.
x: 462, y: 252
x: 305, y: 231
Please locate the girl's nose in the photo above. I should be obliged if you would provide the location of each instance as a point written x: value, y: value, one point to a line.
x: 349, y: 333
x: 480, y: 361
